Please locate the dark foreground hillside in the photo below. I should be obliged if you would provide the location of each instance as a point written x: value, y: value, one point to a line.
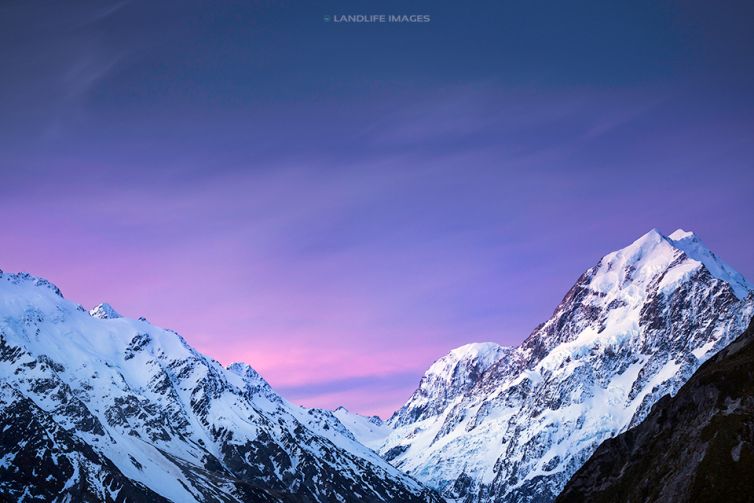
x: 695, y: 447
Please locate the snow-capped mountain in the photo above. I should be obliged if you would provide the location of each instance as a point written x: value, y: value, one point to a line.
x: 512, y: 425
x: 99, y: 407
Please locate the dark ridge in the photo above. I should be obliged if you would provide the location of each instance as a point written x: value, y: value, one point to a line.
x: 695, y: 447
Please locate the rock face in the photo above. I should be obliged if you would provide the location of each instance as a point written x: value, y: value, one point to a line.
x: 513, y: 425
x: 53, y: 462
x: 694, y: 447
x: 99, y: 407
x: 449, y: 378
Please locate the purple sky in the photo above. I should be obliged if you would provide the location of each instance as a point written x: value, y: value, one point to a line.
x: 340, y: 205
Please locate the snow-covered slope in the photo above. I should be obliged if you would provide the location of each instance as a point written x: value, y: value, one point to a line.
x: 696, y: 446
x: 110, y: 408
x: 633, y: 328
x: 369, y: 431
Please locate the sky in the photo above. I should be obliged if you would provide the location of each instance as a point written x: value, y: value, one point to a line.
x: 340, y: 204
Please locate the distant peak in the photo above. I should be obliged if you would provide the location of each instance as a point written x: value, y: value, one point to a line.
x: 104, y: 311
x: 653, y: 236
x: 475, y: 349
x: 483, y: 353
x: 342, y: 413
x: 250, y: 377
x: 245, y: 371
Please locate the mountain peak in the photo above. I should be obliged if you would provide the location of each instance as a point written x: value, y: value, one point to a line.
x: 245, y: 371
x: 654, y: 236
x: 104, y: 311
x: 251, y: 378
x: 448, y: 379
x: 641, y: 260
x: 653, y: 233
x: 476, y: 349
x: 485, y: 353
x: 371, y: 431
x: 478, y: 356
x: 690, y: 244
x: 341, y: 412
x: 648, y: 240
x: 650, y: 247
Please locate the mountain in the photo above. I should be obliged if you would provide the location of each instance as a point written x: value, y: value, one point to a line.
x: 104, y: 312
x: 99, y: 407
x: 696, y: 446
x: 513, y: 425
x: 447, y: 379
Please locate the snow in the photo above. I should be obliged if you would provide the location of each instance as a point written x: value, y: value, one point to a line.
x: 483, y: 354
x: 485, y: 351
x: 701, y: 352
x: 680, y: 234
x: 104, y: 312
x: 370, y: 431
x: 679, y: 274
x: 690, y: 244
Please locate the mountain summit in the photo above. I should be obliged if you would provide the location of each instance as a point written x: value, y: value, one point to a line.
x: 448, y: 378
x: 104, y: 312
x: 516, y: 426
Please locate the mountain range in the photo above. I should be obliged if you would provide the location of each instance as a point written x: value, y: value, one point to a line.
x: 99, y: 407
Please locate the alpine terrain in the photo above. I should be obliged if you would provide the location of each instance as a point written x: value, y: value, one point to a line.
x: 489, y: 423
x: 697, y: 446
x: 97, y: 407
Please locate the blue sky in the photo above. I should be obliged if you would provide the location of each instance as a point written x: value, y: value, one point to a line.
x: 340, y: 204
